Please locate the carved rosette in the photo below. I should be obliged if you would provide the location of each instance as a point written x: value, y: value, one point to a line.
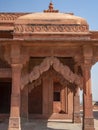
x: 64, y: 70
x: 20, y: 28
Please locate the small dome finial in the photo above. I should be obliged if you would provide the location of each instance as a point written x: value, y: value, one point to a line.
x: 51, y: 8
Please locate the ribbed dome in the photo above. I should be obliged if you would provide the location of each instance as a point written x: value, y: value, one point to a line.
x: 50, y: 21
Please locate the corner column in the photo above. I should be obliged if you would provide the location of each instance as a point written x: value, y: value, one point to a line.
x: 14, y: 120
x: 88, y: 119
x: 76, y: 107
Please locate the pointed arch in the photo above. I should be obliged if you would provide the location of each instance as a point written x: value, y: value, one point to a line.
x: 64, y: 70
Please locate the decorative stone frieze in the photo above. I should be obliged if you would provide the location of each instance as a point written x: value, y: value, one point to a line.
x: 49, y: 28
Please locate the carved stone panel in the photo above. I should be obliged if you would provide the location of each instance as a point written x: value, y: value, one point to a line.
x: 49, y: 28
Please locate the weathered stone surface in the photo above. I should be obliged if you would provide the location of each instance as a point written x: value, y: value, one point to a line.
x: 62, y: 50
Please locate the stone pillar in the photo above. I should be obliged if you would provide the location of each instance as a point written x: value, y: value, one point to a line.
x: 76, y: 107
x: 88, y: 120
x: 70, y: 103
x: 14, y: 120
x: 66, y: 96
x: 24, y: 102
x: 63, y: 100
x: 47, y: 95
x: 50, y: 90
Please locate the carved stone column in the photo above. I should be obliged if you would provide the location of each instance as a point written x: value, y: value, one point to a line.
x: 76, y: 107
x: 70, y: 103
x: 47, y: 94
x: 15, y: 56
x: 24, y: 102
x: 88, y: 120
x: 14, y: 120
x: 63, y: 99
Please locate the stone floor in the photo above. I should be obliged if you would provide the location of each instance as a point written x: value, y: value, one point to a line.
x: 96, y: 119
x: 50, y: 125
x: 45, y: 125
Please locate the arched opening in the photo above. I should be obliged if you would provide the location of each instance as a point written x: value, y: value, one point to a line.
x: 50, y: 97
x: 50, y: 89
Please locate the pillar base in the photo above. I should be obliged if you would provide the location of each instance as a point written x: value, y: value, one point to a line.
x: 14, y: 123
x: 77, y: 118
x: 88, y: 124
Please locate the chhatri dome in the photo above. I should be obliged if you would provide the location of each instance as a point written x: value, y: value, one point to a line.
x: 50, y: 21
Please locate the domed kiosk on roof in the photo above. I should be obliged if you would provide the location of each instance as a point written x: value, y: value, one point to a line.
x: 50, y: 21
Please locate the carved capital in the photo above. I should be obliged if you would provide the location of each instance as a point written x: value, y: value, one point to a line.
x: 25, y: 56
x: 15, y: 54
x: 78, y: 67
x: 88, y: 63
x: 17, y: 66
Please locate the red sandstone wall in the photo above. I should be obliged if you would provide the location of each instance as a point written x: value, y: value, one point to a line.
x: 94, y: 34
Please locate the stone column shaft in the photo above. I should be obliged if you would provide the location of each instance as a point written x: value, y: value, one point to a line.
x: 63, y: 100
x: 47, y: 95
x: 24, y: 103
x: 76, y: 110
x: 88, y: 120
x: 70, y: 103
x: 14, y: 121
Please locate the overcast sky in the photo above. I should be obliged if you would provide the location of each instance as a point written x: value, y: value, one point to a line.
x: 87, y: 9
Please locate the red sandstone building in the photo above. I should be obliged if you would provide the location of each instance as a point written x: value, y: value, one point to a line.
x: 45, y: 58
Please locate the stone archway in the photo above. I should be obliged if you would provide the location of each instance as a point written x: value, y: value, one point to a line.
x: 64, y: 70
x: 47, y: 86
x: 46, y: 64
